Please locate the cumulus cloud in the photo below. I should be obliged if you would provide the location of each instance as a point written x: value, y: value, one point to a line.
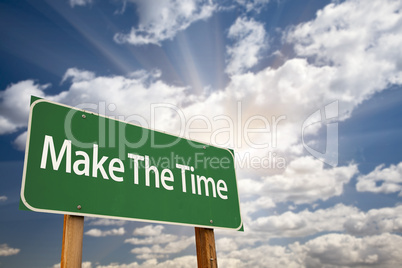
x: 292, y: 91
x: 104, y: 222
x: 182, y: 262
x: 381, y: 180
x: 78, y: 75
x: 74, y: 3
x: 149, y: 230
x: 116, y: 93
x: 162, y: 244
x: 277, y: 129
x: 120, y: 91
x: 162, y: 20
x: 85, y: 264
x: 258, y: 204
x: 226, y: 244
x: 14, y: 104
x: 340, y: 218
x: 20, y: 141
x: 253, y: 5
x: 3, y: 198
x: 160, y: 251
x: 305, y: 180
x: 330, y: 250
x: 304, y: 223
x: 260, y: 256
x: 153, y: 235
x: 157, y: 239
x: 375, y: 221
x: 359, y: 42
x: 100, y: 233
x: 5, y: 250
x: 249, y: 40
x: 340, y: 250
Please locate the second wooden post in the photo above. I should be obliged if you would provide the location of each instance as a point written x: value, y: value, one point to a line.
x: 71, y: 252
x: 205, y: 244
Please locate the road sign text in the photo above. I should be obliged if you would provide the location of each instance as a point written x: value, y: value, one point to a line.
x: 115, y: 169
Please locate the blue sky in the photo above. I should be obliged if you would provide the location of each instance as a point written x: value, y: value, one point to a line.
x: 314, y: 192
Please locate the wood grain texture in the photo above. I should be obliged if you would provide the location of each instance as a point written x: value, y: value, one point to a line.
x: 205, y: 245
x: 73, y: 231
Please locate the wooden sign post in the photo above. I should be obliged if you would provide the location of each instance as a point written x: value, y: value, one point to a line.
x: 73, y: 231
x: 71, y: 251
x: 205, y: 245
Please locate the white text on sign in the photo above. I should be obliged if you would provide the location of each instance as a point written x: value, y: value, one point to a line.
x: 115, y: 169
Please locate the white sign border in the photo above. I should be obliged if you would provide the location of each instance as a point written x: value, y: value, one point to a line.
x: 33, y: 104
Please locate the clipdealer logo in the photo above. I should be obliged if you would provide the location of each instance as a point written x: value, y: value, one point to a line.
x: 328, y: 115
x: 236, y: 131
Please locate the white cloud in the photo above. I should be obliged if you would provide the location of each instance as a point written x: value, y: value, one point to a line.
x: 5, y: 250
x: 339, y: 218
x: 170, y: 248
x: 14, y: 104
x: 294, y: 90
x: 123, y: 93
x: 253, y: 5
x: 118, y: 91
x: 226, y: 244
x: 3, y: 198
x: 149, y: 230
x: 262, y: 202
x: 330, y: 251
x: 162, y: 20
x: 20, y: 141
x: 74, y: 3
x: 99, y: 233
x: 250, y: 40
x: 161, y: 244
x: 339, y: 250
x: 78, y: 75
x: 381, y: 180
x: 182, y: 262
x: 247, y: 187
x: 375, y: 221
x: 359, y: 41
x: 155, y: 239
x: 260, y: 256
x: 304, y: 223
x: 85, y: 264
x: 104, y: 222
x: 305, y: 180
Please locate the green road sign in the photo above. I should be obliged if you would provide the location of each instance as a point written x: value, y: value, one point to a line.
x: 81, y: 163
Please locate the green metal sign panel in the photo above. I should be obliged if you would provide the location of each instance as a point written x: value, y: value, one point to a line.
x: 81, y: 163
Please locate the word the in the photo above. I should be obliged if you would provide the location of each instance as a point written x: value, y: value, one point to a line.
x: 91, y: 165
